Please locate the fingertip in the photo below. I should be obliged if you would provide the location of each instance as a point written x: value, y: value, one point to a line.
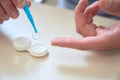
x: 57, y: 42
x: 15, y: 14
x: 29, y: 2
x: 21, y: 3
x: 81, y: 6
x: 105, y: 3
x: 93, y: 8
x: 53, y: 42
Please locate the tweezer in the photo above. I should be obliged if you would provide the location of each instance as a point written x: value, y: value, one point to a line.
x: 29, y: 16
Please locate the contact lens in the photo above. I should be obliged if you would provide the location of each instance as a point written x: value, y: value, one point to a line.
x: 35, y: 36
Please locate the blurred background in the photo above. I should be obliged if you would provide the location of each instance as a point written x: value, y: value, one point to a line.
x: 70, y: 4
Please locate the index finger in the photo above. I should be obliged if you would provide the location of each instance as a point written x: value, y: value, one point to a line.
x: 88, y: 43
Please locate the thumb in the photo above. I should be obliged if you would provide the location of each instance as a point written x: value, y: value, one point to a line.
x: 110, y: 6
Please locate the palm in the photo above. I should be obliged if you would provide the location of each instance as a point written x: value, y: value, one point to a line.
x: 84, y: 25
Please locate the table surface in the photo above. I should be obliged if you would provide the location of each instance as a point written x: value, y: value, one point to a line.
x: 61, y: 63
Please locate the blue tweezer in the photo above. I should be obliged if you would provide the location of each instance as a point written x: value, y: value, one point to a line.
x: 28, y: 13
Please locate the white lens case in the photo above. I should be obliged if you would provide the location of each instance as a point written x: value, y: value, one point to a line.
x: 24, y: 44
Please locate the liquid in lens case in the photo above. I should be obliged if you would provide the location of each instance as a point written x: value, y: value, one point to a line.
x: 25, y: 44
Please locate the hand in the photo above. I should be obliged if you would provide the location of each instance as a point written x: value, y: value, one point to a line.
x: 95, y: 37
x: 8, y: 8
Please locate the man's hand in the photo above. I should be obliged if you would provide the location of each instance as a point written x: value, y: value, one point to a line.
x: 8, y: 8
x: 95, y: 37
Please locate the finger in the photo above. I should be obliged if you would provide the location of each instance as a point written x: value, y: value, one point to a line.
x: 80, y: 17
x: 93, y: 9
x: 84, y: 22
x: 89, y: 43
x: 110, y: 6
x: 21, y: 3
x: 7, y: 17
x: 10, y: 8
x: 3, y: 14
x: 29, y: 2
x: 80, y: 8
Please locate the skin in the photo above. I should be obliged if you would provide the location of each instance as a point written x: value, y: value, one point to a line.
x: 8, y: 9
x: 94, y: 37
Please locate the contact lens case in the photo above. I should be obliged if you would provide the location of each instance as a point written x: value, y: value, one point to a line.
x: 25, y: 44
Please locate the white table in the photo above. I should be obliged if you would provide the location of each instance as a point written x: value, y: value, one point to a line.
x: 61, y: 63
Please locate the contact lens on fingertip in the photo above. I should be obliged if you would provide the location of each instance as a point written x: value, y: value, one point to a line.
x: 25, y: 44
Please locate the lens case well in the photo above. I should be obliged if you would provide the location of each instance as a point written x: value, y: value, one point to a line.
x: 25, y: 44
